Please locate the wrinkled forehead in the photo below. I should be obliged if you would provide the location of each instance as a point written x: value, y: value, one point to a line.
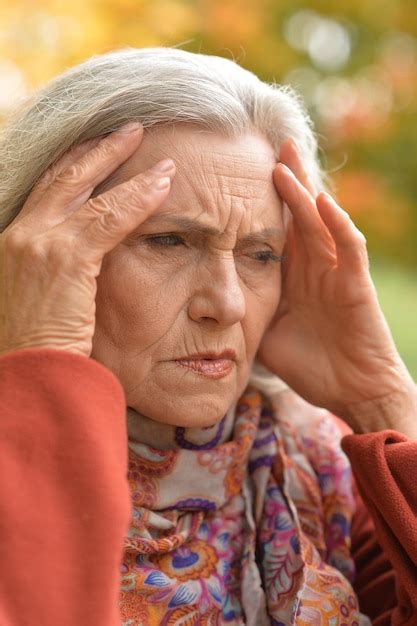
x: 235, y: 163
x: 212, y: 170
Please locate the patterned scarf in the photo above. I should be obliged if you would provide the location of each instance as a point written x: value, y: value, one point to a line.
x: 246, y: 525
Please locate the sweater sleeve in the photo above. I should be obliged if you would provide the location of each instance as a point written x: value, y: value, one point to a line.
x: 64, y: 496
x: 385, y: 469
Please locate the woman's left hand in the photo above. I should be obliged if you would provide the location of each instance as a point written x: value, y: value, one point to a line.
x: 329, y: 340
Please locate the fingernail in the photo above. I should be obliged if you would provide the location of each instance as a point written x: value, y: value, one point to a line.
x: 129, y: 128
x: 162, y: 183
x: 163, y: 166
x: 285, y: 168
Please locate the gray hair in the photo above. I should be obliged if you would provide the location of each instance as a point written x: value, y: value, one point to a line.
x: 153, y: 86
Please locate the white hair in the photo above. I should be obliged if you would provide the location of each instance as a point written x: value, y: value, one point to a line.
x: 153, y: 86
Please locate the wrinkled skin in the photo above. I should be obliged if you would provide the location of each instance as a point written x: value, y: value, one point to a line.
x: 88, y: 243
x: 159, y: 300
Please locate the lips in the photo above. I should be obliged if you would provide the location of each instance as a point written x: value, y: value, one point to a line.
x: 225, y: 354
x: 210, y: 364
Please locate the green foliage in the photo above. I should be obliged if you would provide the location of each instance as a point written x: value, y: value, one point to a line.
x: 397, y: 294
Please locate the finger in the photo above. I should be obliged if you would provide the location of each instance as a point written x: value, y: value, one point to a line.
x: 350, y: 242
x: 309, y: 226
x: 104, y: 221
x: 290, y: 247
x: 290, y: 156
x: 69, y: 157
x: 289, y: 264
x: 74, y: 184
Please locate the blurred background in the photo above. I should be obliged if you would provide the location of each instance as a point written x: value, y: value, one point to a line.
x: 353, y: 61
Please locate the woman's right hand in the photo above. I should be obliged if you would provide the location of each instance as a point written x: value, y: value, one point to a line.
x: 51, y: 254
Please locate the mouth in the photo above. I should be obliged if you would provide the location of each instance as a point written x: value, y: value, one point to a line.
x: 210, y: 364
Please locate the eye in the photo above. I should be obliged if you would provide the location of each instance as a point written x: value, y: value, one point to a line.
x: 165, y: 240
x: 267, y: 256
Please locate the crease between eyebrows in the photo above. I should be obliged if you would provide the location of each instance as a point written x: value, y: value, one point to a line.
x: 195, y: 227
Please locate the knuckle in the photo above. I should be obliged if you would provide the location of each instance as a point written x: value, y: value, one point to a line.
x: 141, y: 192
x: 114, y: 210
x: 113, y: 223
x: 101, y: 205
x: 35, y: 250
x: 108, y: 213
x: 14, y: 240
x: 56, y: 253
x: 137, y: 192
x: 109, y: 221
x: 69, y: 176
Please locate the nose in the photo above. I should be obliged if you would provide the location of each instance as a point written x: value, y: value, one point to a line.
x: 218, y: 294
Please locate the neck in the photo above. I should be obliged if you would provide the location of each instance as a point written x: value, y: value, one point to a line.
x: 144, y: 430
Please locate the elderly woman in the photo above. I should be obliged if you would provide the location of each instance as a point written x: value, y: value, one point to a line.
x: 184, y: 312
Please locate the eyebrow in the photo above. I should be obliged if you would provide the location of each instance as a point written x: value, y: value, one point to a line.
x: 194, y: 227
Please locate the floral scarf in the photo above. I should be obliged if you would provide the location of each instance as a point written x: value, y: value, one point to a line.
x: 247, y: 524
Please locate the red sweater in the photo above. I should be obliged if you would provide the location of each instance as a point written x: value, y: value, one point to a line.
x: 65, y: 501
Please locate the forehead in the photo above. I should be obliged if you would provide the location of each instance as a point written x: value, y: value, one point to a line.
x: 215, y: 174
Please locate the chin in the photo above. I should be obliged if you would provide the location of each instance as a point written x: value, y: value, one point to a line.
x: 195, y: 414
x: 191, y: 402
x: 194, y: 410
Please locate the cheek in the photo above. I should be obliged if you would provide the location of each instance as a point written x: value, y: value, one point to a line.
x: 261, y: 308
x: 274, y: 298
x: 135, y: 303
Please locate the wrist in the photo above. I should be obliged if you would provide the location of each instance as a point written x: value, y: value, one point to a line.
x: 394, y: 410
